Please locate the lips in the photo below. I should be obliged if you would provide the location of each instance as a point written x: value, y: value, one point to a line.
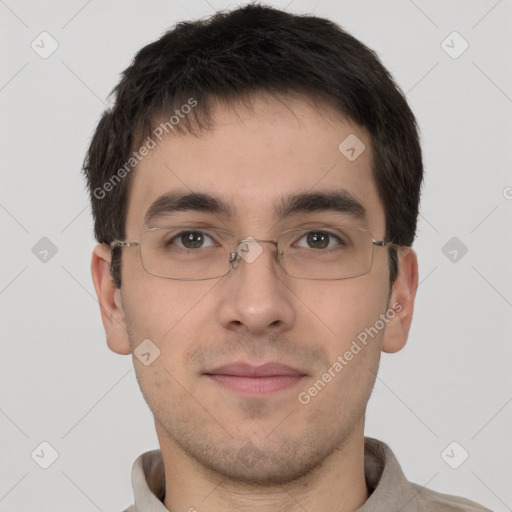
x: 251, y: 380
x: 247, y: 370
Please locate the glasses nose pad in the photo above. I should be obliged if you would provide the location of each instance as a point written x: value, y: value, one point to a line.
x: 244, y: 250
x: 234, y: 259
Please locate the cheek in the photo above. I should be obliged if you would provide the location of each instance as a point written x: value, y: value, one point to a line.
x: 163, y: 310
x: 347, y: 307
x: 351, y: 311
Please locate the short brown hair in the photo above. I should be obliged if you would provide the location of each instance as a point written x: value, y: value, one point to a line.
x: 232, y: 55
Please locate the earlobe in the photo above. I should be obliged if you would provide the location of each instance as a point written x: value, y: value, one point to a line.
x: 402, y: 302
x: 109, y: 298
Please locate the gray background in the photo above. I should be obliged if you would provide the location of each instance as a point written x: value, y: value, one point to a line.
x: 59, y: 383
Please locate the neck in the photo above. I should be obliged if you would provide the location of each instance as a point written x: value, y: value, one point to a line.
x: 337, y: 484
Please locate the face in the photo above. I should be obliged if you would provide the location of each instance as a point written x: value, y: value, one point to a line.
x: 275, y: 429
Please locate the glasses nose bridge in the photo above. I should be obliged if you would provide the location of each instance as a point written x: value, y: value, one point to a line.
x: 235, y: 256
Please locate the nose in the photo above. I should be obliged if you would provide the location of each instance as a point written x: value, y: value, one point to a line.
x: 256, y: 296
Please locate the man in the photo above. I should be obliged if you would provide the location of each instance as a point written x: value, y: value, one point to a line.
x: 255, y: 189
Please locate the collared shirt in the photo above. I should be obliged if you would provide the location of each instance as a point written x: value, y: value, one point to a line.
x: 389, y: 490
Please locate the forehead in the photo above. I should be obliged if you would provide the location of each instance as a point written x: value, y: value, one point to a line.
x: 255, y: 159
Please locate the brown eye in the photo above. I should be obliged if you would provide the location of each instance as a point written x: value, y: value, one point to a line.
x: 320, y: 240
x: 190, y: 240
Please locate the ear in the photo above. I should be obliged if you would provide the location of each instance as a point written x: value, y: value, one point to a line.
x: 402, y: 301
x: 109, y: 298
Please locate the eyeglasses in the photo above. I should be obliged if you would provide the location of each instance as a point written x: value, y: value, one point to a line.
x: 193, y: 253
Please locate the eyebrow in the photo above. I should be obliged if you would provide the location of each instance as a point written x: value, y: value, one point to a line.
x: 172, y: 202
x: 339, y: 200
